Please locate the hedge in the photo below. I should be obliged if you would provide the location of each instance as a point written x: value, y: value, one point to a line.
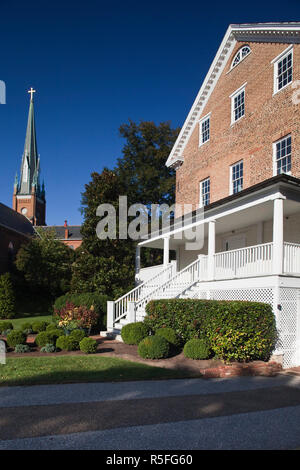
x: 235, y: 330
x: 99, y: 301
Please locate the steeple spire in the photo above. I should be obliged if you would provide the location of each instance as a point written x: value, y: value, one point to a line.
x: 30, y: 160
x: 28, y: 197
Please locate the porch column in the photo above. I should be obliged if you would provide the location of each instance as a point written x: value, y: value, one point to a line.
x: 137, y: 260
x: 166, y: 250
x: 278, y: 235
x: 211, y: 249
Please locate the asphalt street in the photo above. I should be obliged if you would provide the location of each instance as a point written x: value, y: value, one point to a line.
x: 236, y: 413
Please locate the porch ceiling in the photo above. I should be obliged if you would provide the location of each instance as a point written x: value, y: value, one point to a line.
x: 232, y: 222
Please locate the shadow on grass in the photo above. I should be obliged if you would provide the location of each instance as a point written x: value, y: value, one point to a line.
x: 72, y: 369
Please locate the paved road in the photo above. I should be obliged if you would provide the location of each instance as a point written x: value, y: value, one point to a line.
x: 237, y: 413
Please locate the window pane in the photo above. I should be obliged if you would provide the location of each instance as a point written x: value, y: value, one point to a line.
x: 283, y: 155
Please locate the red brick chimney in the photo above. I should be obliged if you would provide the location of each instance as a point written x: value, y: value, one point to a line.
x: 66, y: 230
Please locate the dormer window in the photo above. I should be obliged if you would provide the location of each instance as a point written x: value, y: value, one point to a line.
x: 240, y: 55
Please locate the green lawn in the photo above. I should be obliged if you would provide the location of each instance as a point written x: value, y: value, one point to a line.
x: 17, y: 322
x: 68, y: 369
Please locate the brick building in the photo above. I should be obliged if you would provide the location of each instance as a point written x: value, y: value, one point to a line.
x: 237, y: 161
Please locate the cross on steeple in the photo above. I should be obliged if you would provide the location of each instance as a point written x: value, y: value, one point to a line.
x: 31, y: 91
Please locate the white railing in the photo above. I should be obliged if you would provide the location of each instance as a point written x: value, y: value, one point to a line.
x: 121, y: 304
x: 194, y: 272
x: 291, y: 257
x: 244, y: 262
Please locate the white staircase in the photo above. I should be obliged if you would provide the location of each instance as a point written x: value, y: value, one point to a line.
x: 165, y: 285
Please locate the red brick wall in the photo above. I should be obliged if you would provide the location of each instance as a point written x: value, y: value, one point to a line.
x: 267, y: 118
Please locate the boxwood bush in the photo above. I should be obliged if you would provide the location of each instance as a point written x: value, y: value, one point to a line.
x: 133, y: 333
x: 66, y: 343
x: 196, y: 349
x: 39, y: 326
x: 16, y: 337
x: 235, y: 330
x: 88, y: 345
x: 154, y: 347
x: 44, y: 337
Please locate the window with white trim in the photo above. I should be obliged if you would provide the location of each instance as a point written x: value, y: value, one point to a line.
x: 237, y: 105
x: 236, y: 177
x: 240, y: 55
x: 204, y: 130
x: 283, y: 156
x: 283, y: 70
x: 204, y: 192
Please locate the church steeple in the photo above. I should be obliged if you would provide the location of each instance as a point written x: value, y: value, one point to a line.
x: 30, y: 159
x: 29, y: 183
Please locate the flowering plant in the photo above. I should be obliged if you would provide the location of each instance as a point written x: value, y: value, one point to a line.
x: 72, y: 317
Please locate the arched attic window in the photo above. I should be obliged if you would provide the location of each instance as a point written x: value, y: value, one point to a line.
x: 240, y: 55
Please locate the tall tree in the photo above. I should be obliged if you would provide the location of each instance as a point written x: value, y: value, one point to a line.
x: 142, y: 167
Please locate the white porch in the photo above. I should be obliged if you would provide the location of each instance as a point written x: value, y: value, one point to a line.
x: 251, y: 251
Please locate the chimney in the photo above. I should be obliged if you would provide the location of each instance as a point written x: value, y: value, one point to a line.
x: 66, y: 230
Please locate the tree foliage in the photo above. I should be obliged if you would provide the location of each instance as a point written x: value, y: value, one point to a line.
x: 45, y: 264
x: 107, y: 266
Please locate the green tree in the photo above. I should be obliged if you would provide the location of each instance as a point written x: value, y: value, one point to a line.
x: 107, y: 266
x: 7, y: 297
x: 46, y: 264
x: 142, y: 167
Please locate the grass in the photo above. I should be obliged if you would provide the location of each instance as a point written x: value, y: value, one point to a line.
x: 17, y: 322
x: 72, y: 369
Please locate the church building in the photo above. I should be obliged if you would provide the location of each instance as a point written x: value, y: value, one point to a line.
x: 29, y: 198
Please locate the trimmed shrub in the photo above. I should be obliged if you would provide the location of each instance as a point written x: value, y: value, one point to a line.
x: 235, y: 330
x: 48, y: 348
x: 78, y: 335
x: 65, y: 343
x: 133, y: 333
x: 154, y: 347
x: 16, y: 337
x: 22, y: 348
x: 170, y: 335
x: 7, y: 297
x: 88, y: 300
x: 6, y: 325
x: 26, y: 326
x: 196, y: 349
x: 88, y: 345
x: 39, y: 326
x: 43, y: 338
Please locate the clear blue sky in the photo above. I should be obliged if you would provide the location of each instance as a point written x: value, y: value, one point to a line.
x: 96, y: 64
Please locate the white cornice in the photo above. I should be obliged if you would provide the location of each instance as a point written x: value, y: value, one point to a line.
x: 263, y: 32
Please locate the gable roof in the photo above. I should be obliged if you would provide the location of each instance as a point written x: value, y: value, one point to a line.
x: 256, y: 32
x: 12, y: 220
x: 74, y: 231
